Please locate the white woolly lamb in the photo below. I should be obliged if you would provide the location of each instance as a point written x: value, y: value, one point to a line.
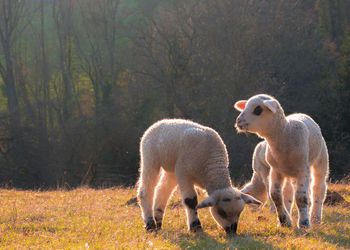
x: 295, y: 149
x: 189, y: 154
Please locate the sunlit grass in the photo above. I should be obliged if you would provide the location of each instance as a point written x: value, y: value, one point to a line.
x: 100, y: 219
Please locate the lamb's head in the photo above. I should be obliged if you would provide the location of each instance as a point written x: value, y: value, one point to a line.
x: 257, y: 114
x: 226, y: 206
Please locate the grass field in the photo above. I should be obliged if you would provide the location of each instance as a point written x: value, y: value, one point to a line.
x: 100, y: 219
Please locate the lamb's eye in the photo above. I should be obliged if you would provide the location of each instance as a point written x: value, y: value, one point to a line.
x: 226, y: 199
x: 258, y: 110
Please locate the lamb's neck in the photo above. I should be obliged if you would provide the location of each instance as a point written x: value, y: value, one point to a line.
x: 217, y: 178
x: 274, y: 135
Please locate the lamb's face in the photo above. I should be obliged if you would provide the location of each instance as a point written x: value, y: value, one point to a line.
x: 256, y: 113
x: 227, y: 211
x: 226, y: 206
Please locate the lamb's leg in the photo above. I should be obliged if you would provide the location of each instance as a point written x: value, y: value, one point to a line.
x: 272, y: 205
x: 276, y: 181
x: 163, y: 191
x: 302, y: 197
x: 265, y: 175
x: 256, y: 188
x: 189, y: 198
x: 147, y: 182
x: 288, y: 195
x: 258, y: 185
x: 319, y: 188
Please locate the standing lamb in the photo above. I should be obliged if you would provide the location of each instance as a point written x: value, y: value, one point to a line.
x: 295, y: 149
x: 259, y: 185
x: 187, y: 154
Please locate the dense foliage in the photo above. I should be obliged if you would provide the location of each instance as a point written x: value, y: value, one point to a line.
x: 81, y: 80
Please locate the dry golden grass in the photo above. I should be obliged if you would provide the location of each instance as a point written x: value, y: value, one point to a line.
x: 100, y: 219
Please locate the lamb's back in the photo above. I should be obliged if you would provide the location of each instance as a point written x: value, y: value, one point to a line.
x: 166, y: 140
x: 314, y: 135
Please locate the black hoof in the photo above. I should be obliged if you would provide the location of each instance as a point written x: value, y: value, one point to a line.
x: 159, y: 224
x: 150, y: 225
x: 196, y: 226
x: 284, y: 222
x: 304, y: 224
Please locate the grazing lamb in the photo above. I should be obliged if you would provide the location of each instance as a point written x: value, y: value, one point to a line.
x: 294, y: 149
x: 259, y: 185
x: 187, y: 154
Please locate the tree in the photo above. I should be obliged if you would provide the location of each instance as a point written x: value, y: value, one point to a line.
x: 11, y: 15
x: 62, y: 13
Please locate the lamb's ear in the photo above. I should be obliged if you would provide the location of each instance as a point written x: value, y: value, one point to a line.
x: 271, y: 105
x: 240, y: 105
x: 208, y: 202
x: 249, y: 199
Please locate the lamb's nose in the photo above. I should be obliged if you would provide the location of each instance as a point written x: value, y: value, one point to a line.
x: 231, y: 230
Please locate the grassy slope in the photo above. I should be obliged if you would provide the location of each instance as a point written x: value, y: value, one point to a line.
x: 85, y: 218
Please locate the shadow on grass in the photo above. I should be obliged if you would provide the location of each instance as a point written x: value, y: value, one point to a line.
x: 204, y: 240
x: 339, y: 240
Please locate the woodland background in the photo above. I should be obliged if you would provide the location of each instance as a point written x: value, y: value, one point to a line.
x: 81, y: 80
